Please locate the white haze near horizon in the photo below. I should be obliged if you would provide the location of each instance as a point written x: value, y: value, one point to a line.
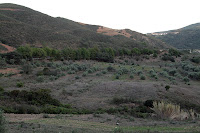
x: 144, y: 16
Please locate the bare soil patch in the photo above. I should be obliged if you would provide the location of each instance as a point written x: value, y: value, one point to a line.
x: 9, y: 70
x: 113, y: 32
x: 9, y: 48
x: 10, y: 9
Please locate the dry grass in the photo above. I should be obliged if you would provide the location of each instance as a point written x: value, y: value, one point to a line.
x: 166, y: 110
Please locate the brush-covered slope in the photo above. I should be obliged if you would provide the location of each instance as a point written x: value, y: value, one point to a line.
x: 185, y: 38
x: 20, y: 25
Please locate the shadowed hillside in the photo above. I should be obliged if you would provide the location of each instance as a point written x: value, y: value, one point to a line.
x: 184, y: 38
x: 21, y: 25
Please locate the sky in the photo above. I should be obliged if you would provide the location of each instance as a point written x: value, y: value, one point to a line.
x: 143, y: 16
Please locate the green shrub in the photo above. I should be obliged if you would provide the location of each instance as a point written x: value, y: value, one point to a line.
x: 110, y: 69
x: 155, y: 55
x: 148, y: 103
x: 195, y: 60
x: 139, y: 72
x: 172, y: 72
x: 104, y: 72
x: 1, y: 74
x: 40, y: 79
x: 52, y: 78
x: 98, y: 74
x: 27, y: 68
x: 37, y: 97
x: 167, y: 87
x: 2, y: 62
x: 50, y: 109
x: 20, y: 84
x: 117, y: 77
x: 77, y: 77
x: 90, y: 71
x: 1, y: 89
x: 186, y: 79
x: 85, y: 74
x: 167, y: 57
x: 26, y: 109
x: 131, y: 76
x: 142, y: 77
x: 71, y: 72
x: 174, y: 52
x: 2, y: 122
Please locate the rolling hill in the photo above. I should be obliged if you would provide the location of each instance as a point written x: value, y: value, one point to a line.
x: 185, y: 38
x: 20, y: 25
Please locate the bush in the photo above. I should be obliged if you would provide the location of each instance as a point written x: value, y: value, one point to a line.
x: 142, y: 77
x: 27, y: 68
x: 195, y: 60
x: 52, y: 78
x: 2, y: 122
x: 167, y: 87
x: 139, y: 73
x: 148, y: 103
x: 104, y: 72
x: 172, y: 72
x: 110, y: 69
x: 40, y: 79
x: 2, y: 62
x: 1, y: 89
x: 131, y: 76
x: 37, y: 97
x: 174, y: 52
x: 167, y: 57
x: 20, y: 84
x: 117, y: 77
x: 186, y: 79
x: 77, y: 77
x: 85, y: 74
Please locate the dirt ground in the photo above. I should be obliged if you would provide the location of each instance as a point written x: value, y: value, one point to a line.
x: 9, y: 48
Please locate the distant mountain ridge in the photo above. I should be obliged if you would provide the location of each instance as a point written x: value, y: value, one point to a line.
x: 20, y: 25
x: 184, y: 38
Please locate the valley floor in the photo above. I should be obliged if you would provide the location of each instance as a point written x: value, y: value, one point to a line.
x: 101, y: 123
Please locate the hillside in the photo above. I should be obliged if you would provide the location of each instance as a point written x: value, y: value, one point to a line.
x: 184, y: 38
x: 21, y: 25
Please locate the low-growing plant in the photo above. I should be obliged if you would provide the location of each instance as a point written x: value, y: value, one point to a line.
x: 77, y: 77
x: 110, y: 69
x: 52, y: 78
x: 85, y: 74
x: 20, y: 84
x: 40, y: 79
x: 104, y: 72
x: 186, y: 79
x: 117, y: 77
x: 131, y: 76
x: 142, y: 77
x: 1, y: 89
x: 167, y: 87
x: 27, y: 68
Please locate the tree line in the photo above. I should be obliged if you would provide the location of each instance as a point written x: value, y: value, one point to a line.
x: 104, y: 54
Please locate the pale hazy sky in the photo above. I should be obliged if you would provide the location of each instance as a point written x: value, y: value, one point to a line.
x: 139, y: 15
